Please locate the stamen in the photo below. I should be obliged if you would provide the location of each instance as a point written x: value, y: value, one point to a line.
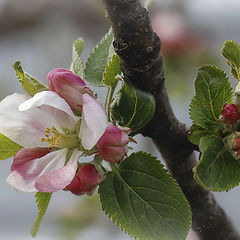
x: 55, y: 139
x: 48, y: 130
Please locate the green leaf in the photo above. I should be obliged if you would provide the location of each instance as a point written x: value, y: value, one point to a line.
x: 42, y: 200
x: 213, y: 89
x: 99, y: 59
x: 8, y: 148
x: 29, y: 83
x: 217, y: 170
x: 77, y: 63
x: 111, y: 71
x: 196, y: 133
x: 111, y: 50
x: 133, y: 107
x: 144, y: 200
x: 231, y: 51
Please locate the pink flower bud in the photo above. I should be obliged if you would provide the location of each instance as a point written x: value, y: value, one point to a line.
x: 112, y: 144
x: 238, y: 154
x: 85, y: 181
x: 230, y: 113
x: 25, y: 155
x: 67, y: 85
x: 236, y: 144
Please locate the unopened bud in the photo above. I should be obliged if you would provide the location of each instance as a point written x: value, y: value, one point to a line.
x: 113, y: 144
x: 238, y: 154
x: 236, y: 144
x: 85, y: 181
x: 67, y: 85
x: 230, y: 113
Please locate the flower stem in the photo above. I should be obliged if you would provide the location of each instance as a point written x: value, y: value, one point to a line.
x: 108, y: 101
x: 114, y: 167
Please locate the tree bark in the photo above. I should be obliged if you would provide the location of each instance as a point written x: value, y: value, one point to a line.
x: 139, y: 50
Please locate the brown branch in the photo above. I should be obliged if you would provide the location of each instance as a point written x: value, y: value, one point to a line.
x: 139, y: 51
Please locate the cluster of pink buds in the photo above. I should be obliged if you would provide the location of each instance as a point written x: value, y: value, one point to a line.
x: 230, y: 113
x: 112, y: 146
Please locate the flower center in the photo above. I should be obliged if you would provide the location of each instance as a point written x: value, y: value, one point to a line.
x: 55, y: 139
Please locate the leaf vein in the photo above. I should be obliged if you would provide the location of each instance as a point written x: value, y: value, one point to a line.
x: 148, y: 205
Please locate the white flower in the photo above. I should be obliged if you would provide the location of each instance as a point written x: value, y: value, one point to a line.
x: 42, y: 122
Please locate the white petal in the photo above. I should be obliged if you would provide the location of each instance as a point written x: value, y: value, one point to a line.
x: 94, y: 121
x: 52, y: 103
x: 25, y: 128
x: 23, y: 179
x: 48, y: 98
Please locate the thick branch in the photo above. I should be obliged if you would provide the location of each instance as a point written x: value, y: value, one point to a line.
x: 139, y: 48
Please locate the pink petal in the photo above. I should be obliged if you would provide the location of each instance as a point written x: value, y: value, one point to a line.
x: 112, y: 144
x: 113, y: 154
x: 25, y: 155
x: 113, y: 136
x: 60, y: 178
x: 94, y: 121
x: 56, y: 180
x: 68, y: 85
x: 23, y: 178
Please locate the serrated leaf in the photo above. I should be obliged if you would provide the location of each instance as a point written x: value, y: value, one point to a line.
x: 8, y: 148
x: 231, y: 51
x: 29, y: 83
x: 77, y: 63
x: 213, y: 89
x: 132, y: 107
x: 42, y: 200
x: 217, y: 170
x: 99, y: 59
x: 197, y: 114
x: 111, y: 71
x: 196, y: 133
x: 144, y: 200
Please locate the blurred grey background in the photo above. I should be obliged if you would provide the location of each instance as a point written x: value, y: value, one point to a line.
x: 41, y: 32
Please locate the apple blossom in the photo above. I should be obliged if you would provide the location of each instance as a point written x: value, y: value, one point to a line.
x: 85, y: 181
x: 69, y: 86
x: 112, y: 144
x: 47, y: 129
